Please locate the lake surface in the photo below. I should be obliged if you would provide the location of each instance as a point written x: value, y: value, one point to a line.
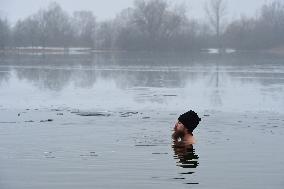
x: 104, y: 120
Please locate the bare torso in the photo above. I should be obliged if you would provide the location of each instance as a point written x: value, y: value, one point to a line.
x: 187, y: 139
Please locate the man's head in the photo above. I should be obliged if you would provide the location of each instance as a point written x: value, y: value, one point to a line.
x: 190, y: 120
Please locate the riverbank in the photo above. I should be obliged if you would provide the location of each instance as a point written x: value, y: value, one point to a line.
x: 52, y: 50
x: 85, y: 50
x: 45, y: 50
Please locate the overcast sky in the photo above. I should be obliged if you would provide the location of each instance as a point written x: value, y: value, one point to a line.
x: 105, y: 9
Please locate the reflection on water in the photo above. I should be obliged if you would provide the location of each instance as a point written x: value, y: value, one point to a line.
x: 186, y: 159
x: 239, y: 82
x: 185, y: 154
x: 125, y: 103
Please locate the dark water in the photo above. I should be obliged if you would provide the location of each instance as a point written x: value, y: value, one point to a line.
x: 105, y: 120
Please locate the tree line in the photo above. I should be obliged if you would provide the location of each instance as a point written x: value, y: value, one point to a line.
x: 147, y: 25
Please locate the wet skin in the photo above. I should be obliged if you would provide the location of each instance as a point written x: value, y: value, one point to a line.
x: 182, y: 135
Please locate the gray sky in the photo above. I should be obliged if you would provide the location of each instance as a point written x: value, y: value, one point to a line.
x: 104, y: 9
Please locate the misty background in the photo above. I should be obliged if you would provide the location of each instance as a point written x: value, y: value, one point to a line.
x: 108, y: 9
x: 143, y: 25
x: 90, y: 92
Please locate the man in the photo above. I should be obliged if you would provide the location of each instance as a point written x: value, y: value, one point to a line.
x: 183, y: 130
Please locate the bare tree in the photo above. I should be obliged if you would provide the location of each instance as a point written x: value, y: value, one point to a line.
x: 4, y: 33
x: 84, y: 24
x: 216, y: 12
x: 153, y: 25
x: 26, y: 32
x: 262, y: 32
x: 105, y: 36
x: 149, y: 25
x: 271, y: 23
x: 148, y: 18
x: 241, y: 34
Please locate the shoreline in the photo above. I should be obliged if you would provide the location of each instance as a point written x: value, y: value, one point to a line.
x: 52, y: 50
x: 85, y: 50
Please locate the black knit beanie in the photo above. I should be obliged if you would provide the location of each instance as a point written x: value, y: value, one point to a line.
x: 190, y: 120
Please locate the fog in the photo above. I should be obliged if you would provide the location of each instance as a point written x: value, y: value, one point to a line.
x: 90, y: 92
x: 154, y: 25
x: 18, y: 9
